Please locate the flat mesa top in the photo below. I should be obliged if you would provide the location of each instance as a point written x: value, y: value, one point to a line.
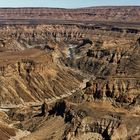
x: 124, y: 14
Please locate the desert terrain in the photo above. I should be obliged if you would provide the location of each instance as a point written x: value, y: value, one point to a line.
x: 70, y: 74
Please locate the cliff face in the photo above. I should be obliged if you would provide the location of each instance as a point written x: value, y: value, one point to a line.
x: 82, y: 77
x: 33, y: 78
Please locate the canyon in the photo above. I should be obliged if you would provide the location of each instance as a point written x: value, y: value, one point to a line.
x: 70, y: 74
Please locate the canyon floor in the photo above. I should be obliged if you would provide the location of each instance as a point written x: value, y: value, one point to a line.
x: 70, y: 74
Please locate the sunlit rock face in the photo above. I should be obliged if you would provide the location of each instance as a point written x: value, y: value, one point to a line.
x: 70, y: 79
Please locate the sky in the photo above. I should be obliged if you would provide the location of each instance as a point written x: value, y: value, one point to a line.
x: 66, y: 3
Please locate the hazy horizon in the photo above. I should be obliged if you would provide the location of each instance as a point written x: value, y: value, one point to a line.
x: 66, y: 4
